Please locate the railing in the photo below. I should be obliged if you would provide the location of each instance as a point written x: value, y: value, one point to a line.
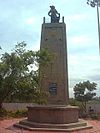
x: 47, y: 20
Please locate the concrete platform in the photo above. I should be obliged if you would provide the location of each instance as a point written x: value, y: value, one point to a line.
x: 55, y: 114
x: 25, y: 124
x: 52, y: 118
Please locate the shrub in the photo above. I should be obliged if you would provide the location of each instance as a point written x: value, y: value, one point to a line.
x: 3, y: 112
x: 18, y: 113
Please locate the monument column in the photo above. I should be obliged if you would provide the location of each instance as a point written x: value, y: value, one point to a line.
x: 55, y: 74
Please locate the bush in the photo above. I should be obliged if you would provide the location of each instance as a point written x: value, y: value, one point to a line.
x: 18, y: 113
x: 95, y: 116
x: 3, y: 112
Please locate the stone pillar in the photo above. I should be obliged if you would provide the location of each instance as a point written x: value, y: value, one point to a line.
x: 55, y: 74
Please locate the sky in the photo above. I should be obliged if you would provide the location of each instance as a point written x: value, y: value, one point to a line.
x: 21, y: 20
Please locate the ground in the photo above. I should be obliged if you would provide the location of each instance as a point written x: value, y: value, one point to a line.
x: 6, y: 126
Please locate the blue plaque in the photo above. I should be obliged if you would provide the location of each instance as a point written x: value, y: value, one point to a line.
x: 53, y: 88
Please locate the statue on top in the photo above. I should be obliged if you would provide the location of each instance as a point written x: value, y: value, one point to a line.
x: 55, y: 16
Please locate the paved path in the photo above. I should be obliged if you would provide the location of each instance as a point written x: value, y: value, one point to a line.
x: 6, y: 127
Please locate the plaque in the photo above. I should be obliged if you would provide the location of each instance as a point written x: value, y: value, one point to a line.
x: 53, y: 88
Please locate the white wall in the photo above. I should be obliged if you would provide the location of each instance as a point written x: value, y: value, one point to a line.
x: 16, y: 106
x: 95, y: 107
x: 20, y: 106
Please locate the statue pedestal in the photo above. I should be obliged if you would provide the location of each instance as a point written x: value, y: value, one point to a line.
x: 52, y: 118
x: 55, y: 114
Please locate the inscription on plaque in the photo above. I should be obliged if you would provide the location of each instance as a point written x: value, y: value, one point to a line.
x: 53, y: 89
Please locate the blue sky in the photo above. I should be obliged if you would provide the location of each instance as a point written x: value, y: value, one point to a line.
x: 20, y: 20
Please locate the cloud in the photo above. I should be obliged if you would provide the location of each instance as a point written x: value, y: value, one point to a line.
x: 95, y: 77
x: 82, y: 44
x: 30, y: 21
x: 78, y: 17
x: 81, y: 40
x: 74, y: 20
x: 85, y: 60
x: 35, y: 46
x: 71, y: 92
x: 83, y: 67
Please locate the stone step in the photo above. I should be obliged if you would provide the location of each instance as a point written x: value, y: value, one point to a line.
x: 52, y: 129
x: 79, y: 128
x: 80, y: 125
x: 47, y: 125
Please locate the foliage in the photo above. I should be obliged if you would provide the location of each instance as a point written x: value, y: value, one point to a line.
x: 84, y: 92
x: 95, y: 116
x: 94, y: 101
x: 19, y: 74
x: 73, y: 102
x: 3, y: 113
x: 18, y: 113
x: 7, y: 114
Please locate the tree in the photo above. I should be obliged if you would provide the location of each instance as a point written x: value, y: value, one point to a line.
x: 18, y: 78
x: 84, y: 91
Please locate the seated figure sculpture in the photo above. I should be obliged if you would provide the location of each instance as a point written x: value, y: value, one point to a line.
x: 55, y: 16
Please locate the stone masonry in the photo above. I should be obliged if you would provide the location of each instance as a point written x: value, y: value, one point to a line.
x: 55, y: 74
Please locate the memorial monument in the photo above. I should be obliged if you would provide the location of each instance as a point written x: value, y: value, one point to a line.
x: 57, y: 115
x: 55, y: 80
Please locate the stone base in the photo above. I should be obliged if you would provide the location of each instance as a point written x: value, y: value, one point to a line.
x: 52, y: 117
x: 55, y: 114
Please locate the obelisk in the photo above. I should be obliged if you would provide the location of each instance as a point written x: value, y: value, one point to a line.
x: 55, y: 74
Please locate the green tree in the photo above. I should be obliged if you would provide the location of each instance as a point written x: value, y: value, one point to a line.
x: 19, y: 74
x: 84, y: 91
